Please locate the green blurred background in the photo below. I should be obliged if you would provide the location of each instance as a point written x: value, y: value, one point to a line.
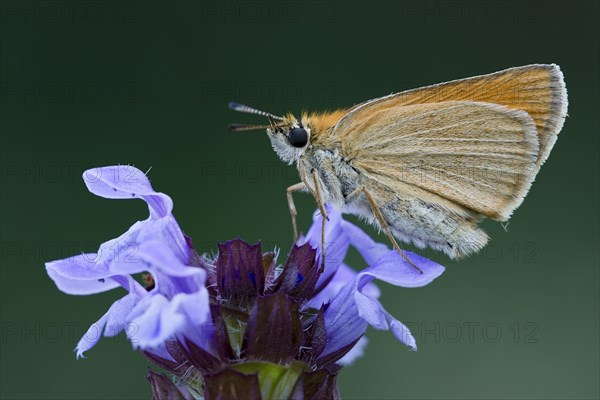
x: 97, y: 83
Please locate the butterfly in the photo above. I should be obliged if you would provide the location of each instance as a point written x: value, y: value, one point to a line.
x: 427, y: 165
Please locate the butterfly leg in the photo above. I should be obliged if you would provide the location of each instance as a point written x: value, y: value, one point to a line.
x: 294, y: 188
x: 317, y: 194
x: 381, y: 221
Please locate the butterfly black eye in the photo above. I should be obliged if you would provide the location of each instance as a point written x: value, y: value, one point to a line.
x: 298, y: 137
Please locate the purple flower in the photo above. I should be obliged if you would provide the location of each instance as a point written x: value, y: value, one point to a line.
x: 352, y: 297
x: 239, y: 322
x: 179, y: 301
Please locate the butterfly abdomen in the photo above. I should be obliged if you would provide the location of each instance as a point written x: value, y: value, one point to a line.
x: 423, y: 224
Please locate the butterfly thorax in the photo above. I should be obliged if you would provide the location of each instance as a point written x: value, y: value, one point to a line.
x: 321, y: 125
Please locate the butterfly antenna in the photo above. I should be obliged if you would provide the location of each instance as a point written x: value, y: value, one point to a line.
x: 244, y: 127
x: 249, y: 110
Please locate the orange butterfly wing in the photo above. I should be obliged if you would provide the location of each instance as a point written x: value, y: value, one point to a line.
x: 537, y: 89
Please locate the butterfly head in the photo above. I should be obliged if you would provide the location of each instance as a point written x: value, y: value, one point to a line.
x: 289, y: 137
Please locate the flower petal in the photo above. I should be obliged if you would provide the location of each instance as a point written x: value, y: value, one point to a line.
x: 178, y: 305
x: 203, y: 336
x: 127, y: 182
x: 356, y: 305
x: 392, y: 268
x: 342, y: 322
x: 343, y: 275
x: 159, y: 257
x: 154, y: 321
x: 90, y: 273
x: 195, y: 306
x: 91, y: 336
x: 372, y: 311
x: 369, y: 249
x: 115, y: 316
x: 402, y: 333
x: 78, y: 275
x: 116, y: 321
x: 167, y: 231
x: 337, y: 242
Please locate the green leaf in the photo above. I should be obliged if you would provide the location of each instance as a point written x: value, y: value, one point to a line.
x: 276, y: 381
